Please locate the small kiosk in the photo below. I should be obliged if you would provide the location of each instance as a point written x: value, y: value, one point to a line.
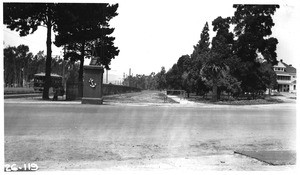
x: 92, y: 83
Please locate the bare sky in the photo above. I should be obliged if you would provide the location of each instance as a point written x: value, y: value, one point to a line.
x: 155, y: 33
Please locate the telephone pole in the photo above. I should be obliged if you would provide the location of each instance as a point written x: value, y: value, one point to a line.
x: 106, y: 76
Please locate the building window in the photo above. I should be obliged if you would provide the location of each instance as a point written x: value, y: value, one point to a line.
x: 283, y: 77
x: 281, y: 69
x: 294, y: 87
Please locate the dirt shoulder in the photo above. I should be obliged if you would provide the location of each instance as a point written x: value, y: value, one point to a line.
x: 139, y: 97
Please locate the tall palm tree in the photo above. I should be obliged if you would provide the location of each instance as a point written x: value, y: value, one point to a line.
x: 214, y: 69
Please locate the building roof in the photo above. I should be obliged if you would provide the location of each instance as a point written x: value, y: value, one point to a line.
x: 289, y: 69
x: 279, y: 64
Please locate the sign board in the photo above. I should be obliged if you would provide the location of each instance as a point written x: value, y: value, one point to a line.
x: 94, y: 61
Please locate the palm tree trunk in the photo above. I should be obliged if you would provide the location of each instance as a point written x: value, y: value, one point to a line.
x: 215, y: 90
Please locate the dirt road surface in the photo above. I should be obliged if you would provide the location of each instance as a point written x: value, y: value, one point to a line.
x: 72, y: 136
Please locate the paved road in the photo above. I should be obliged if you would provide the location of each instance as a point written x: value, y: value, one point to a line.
x: 62, y: 132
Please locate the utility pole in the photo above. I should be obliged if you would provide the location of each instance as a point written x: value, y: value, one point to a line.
x: 124, y: 79
x: 106, y: 76
x: 63, y: 71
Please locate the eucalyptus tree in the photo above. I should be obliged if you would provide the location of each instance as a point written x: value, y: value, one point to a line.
x: 10, y: 66
x: 17, y: 62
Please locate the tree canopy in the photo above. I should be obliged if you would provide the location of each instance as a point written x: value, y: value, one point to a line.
x: 231, y: 62
x: 253, y: 24
x: 26, y: 18
x: 84, y: 30
x: 78, y: 27
x: 85, y: 27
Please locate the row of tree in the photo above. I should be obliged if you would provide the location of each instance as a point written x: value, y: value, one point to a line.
x: 148, y: 82
x: 20, y: 65
x: 82, y: 29
x: 236, y: 62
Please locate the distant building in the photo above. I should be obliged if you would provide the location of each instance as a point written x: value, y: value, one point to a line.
x: 286, y: 77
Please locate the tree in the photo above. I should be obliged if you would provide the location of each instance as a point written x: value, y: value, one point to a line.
x: 196, y: 63
x: 203, y: 44
x: 10, y: 69
x: 213, y: 70
x: 268, y: 76
x: 24, y: 56
x: 216, y: 67
x: 161, y: 79
x: 150, y: 81
x: 37, y: 64
x: 26, y: 18
x: 188, y: 68
x: 253, y: 24
x: 84, y: 28
x: 16, y: 65
x: 180, y: 76
x: 186, y: 74
x: 173, y: 78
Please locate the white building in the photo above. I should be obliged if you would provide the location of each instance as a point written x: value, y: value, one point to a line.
x: 286, y: 77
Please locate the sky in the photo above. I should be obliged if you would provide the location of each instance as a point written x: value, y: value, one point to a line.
x: 155, y: 33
